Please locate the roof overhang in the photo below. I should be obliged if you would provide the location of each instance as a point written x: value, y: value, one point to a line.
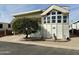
x: 58, y: 8
x: 4, y: 23
x: 29, y: 12
x: 76, y: 22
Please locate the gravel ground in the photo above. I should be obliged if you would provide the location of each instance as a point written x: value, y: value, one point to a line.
x: 26, y: 49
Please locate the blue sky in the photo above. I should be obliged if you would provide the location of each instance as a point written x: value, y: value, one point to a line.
x: 6, y: 11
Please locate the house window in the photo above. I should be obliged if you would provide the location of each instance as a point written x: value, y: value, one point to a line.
x: 59, y: 19
x: 53, y: 19
x: 1, y: 25
x: 64, y: 19
x: 48, y: 19
x: 44, y: 20
x: 53, y: 13
x: 9, y: 25
x: 59, y: 13
x: 48, y: 13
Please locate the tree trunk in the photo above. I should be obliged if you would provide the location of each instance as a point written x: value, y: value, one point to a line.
x: 26, y: 35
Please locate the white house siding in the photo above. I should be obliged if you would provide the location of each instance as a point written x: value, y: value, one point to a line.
x: 53, y: 29
x: 46, y: 30
x: 49, y: 30
x: 75, y: 26
x: 61, y: 30
x: 65, y: 30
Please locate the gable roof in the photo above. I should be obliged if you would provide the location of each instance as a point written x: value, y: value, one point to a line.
x: 61, y: 9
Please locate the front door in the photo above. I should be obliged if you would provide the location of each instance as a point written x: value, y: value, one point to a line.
x: 53, y: 29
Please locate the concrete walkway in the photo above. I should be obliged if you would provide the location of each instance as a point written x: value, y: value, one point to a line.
x: 73, y: 44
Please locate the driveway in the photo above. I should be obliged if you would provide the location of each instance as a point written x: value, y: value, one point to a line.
x: 28, y: 49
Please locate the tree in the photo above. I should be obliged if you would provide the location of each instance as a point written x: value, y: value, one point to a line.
x: 25, y: 26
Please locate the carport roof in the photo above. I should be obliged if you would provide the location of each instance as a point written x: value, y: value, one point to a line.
x: 22, y: 13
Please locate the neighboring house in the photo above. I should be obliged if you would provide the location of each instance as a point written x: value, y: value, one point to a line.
x: 54, y: 21
x: 75, y: 25
x: 5, y: 29
x: 74, y: 29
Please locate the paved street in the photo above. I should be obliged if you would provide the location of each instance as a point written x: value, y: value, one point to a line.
x: 26, y: 49
x: 15, y: 45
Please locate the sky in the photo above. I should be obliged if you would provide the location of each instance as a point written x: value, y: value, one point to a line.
x: 7, y: 10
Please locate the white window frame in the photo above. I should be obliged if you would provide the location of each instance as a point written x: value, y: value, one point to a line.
x: 65, y: 19
x: 53, y: 19
x: 59, y: 19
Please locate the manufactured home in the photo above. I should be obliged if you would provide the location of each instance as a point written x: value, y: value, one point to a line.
x: 5, y: 29
x: 54, y: 21
x: 74, y: 29
x: 75, y: 25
